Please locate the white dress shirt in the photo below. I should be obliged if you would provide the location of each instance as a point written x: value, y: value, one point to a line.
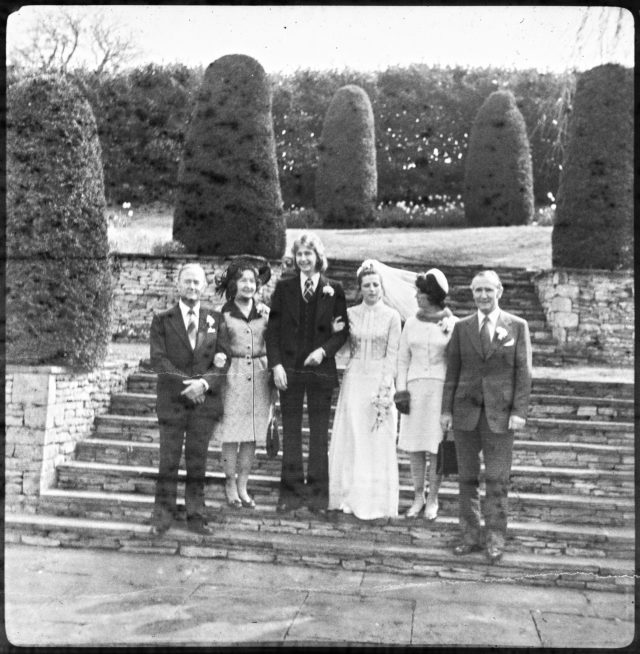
x: 315, y: 278
x: 493, y: 320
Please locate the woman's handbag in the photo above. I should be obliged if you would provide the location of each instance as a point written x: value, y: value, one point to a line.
x: 447, y: 462
x: 273, y: 438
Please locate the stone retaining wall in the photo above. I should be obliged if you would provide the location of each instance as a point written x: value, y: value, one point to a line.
x: 146, y: 284
x: 47, y: 410
x: 590, y: 312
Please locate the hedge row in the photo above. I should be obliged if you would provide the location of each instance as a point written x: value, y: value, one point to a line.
x: 422, y: 115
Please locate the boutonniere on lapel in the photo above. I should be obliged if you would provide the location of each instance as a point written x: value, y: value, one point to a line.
x: 262, y: 309
x: 447, y: 323
x: 327, y: 289
x: 210, y: 325
x: 502, y: 335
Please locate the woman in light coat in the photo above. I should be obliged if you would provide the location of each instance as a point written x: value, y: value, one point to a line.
x: 248, y: 400
x: 422, y: 366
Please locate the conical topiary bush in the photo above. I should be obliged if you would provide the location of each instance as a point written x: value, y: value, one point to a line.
x: 58, y: 277
x: 498, y: 180
x: 346, y: 178
x: 594, y: 216
x: 228, y: 199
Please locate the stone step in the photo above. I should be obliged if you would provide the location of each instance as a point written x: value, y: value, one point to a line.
x: 582, y: 506
x: 144, y: 428
x: 145, y: 382
x: 540, y: 406
x: 533, y: 537
x: 525, y: 453
x: 420, y: 560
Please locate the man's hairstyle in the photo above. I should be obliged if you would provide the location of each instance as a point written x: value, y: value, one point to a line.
x: 491, y: 275
x: 189, y: 266
x: 310, y: 240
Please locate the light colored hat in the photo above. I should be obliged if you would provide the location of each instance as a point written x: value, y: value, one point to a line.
x: 441, y: 280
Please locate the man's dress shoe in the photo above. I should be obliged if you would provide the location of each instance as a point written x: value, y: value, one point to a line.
x: 199, y: 527
x: 493, y: 553
x: 466, y: 548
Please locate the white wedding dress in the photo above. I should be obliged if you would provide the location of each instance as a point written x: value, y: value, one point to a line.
x: 363, y: 464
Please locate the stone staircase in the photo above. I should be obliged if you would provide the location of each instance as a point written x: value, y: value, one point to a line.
x: 519, y: 297
x: 571, y: 503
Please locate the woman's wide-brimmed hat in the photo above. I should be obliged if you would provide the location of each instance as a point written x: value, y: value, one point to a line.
x: 244, y: 262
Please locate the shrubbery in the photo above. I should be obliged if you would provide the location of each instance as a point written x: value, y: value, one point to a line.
x: 346, y: 178
x: 228, y: 199
x: 594, y: 218
x: 498, y: 187
x: 423, y: 116
x: 58, y: 289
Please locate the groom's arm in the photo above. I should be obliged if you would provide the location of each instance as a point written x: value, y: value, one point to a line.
x: 337, y: 340
x: 160, y: 361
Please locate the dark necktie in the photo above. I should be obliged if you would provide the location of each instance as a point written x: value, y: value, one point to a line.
x: 485, y: 337
x: 307, y: 294
x: 191, y: 328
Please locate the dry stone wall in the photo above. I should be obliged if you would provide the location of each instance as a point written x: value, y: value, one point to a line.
x: 591, y: 312
x: 48, y: 409
x: 145, y: 285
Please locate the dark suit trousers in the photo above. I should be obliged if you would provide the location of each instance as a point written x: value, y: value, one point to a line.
x: 497, y: 450
x: 292, y: 486
x: 195, y: 431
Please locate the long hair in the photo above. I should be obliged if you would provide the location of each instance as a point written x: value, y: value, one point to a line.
x: 310, y: 240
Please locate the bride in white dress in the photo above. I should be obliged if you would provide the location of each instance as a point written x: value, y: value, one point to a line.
x: 363, y: 464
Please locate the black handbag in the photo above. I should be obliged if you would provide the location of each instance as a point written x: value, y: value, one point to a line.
x: 273, y: 438
x: 447, y: 462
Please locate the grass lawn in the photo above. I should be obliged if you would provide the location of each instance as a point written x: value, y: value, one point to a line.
x: 524, y: 247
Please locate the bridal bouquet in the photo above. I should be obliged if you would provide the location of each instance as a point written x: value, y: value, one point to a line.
x: 382, y: 401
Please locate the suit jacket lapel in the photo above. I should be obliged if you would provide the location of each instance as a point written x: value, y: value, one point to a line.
x: 294, y: 297
x: 474, y: 334
x: 323, y: 299
x: 202, y: 327
x: 500, y: 322
x: 177, y: 323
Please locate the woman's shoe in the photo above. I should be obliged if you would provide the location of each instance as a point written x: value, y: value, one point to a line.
x: 233, y: 502
x: 431, y: 509
x: 248, y: 504
x: 414, y: 510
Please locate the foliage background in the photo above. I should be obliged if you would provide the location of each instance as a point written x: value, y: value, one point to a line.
x: 423, y: 116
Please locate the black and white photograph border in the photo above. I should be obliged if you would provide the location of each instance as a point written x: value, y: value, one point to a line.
x: 409, y: 148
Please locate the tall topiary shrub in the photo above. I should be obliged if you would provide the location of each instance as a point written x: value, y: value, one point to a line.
x: 58, y: 279
x: 346, y: 178
x: 228, y: 199
x: 498, y: 181
x: 594, y: 216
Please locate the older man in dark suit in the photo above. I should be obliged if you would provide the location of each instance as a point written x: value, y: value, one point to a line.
x: 189, y: 355
x: 301, y: 347
x: 486, y: 397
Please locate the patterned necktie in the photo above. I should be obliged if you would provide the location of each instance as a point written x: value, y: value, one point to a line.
x: 485, y: 336
x: 307, y: 294
x: 191, y: 328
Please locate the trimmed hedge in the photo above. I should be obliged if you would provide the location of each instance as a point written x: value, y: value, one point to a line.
x: 228, y: 198
x: 346, y: 179
x: 498, y: 182
x: 58, y: 278
x: 594, y: 216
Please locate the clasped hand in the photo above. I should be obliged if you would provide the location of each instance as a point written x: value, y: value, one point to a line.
x: 194, y: 390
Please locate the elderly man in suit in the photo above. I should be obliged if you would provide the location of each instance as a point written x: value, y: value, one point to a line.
x: 301, y: 350
x: 486, y: 397
x: 188, y: 353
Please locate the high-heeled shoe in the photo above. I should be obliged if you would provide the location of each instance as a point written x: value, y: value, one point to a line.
x: 248, y: 504
x: 413, y: 512
x: 431, y: 510
x: 233, y: 502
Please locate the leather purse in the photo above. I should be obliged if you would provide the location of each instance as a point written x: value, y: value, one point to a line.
x: 447, y: 462
x: 273, y: 438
